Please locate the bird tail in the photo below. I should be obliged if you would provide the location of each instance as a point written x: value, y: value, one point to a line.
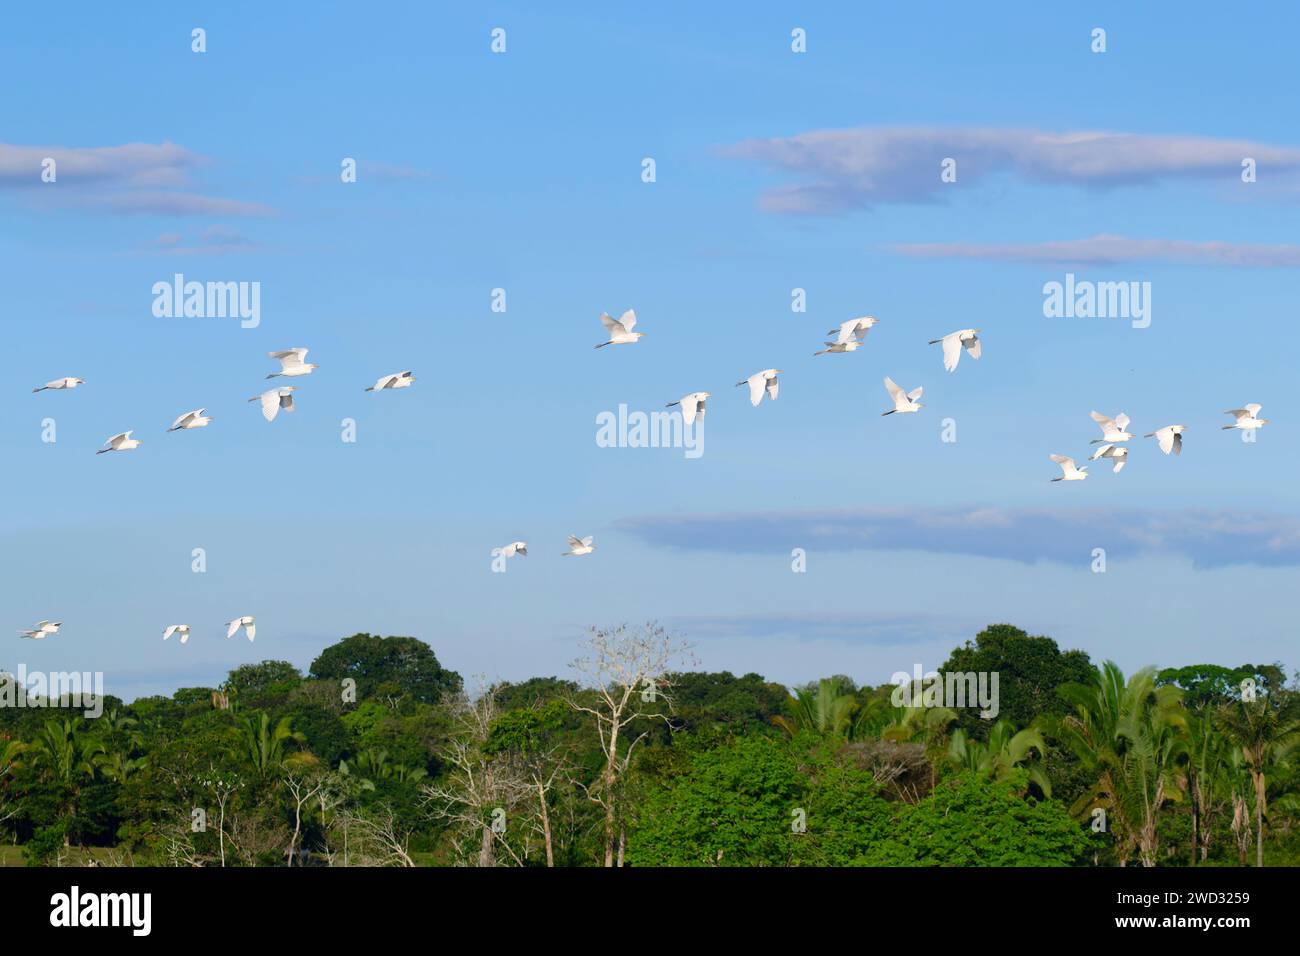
x: 102, y: 450
x: 603, y: 344
x: 370, y: 389
x: 1062, y: 478
x: 1096, y: 441
x: 936, y: 342
x: 1150, y: 435
x: 1228, y: 427
x: 41, y: 389
x: 890, y: 412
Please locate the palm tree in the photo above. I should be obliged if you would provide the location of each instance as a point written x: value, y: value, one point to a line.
x: 1265, y: 737
x: 265, y: 748
x: 1128, y: 733
x: 69, y: 755
x: 1006, y: 749
x: 118, y: 766
x: 927, y: 726
x: 1208, y: 774
x: 829, y: 711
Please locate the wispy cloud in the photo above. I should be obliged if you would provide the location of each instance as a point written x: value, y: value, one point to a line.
x: 855, y: 168
x: 1209, y: 539
x: 137, y: 164
x: 215, y: 240
x: 133, y: 179
x: 1108, y: 250
x: 882, y: 630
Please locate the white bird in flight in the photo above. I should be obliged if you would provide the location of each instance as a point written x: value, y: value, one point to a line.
x: 396, y: 380
x: 1246, y: 418
x: 620, y: 329
x: 954, y: 342
x: 902, y: 402
x: 246, y: 622
x: 42, y: 630
x: 854, y: 330
x: 60, y: 383
x: 194, y: 419
x: 1112, y: 429
x: 852, y: 345
x: 274, y: 400
x: 122, y: 442
x: 692, y: 405
x: 1069, y: 472
x: 291, y: 363
x: 579, y: 546
x: 766, y: 379
x: 1170, y: 438
x: 1117, y: 453
x: 513, y: 548
x: 182, y: 629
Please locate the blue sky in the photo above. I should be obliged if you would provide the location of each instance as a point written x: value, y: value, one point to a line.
x: 522, y: 171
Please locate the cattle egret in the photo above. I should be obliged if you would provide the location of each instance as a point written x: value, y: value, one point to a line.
x: 579, y: 546
x: 1116, y: 453
x: 122, y: 442
x: 291, y: 363
x: 761, y: 380
x: 1069, y: 472
x: 1246, y: 418
x: 854, y: 330
x: 852, y: 345
x: 954, y: 342
x: 396, y: 380
x: 41, y: 630
x: 513, y: 548
x: 274, y: 400
x: 246, y: 622
x: 692, y: 405
x: 1170, y: 438
x: 194, y: 419
x: 902, y: 402
x: 1112, y: 429
x: 60, y: 383
x: 182, y: 629
x: 620, y: 329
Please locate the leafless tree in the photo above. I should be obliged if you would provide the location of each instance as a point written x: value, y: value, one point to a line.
x: 625, y: 672
x: 375, y: 837
x: 478, y: 789
x: 302, y: 789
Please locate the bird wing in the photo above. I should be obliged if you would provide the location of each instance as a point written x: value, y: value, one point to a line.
x: 289, y: 358
x: 773, y: 386
x: 117, y: 439
x: 916, y: 393
x: 250, y: 630
x: 1062, y: 460
x: 756, y: 385
x: 1238, y: 413
x: 1178, y: 443
x: 186, y: 417
x: 574, y: 542
x: 612, y: 324
x: 690, y: 405
x: 848, y: 332
x: 270, y: 404
x: 286, y: 401
x: 170, y: 631
x: 1254, y: 408
x: 1122, y: 421
x: 972, y: 346
x: 1101, y: 451
x: 951, y: 351
x: 627, y: 320
x: 586, y: 542
x: 1119, y: 463
x: 1166, y: 439
x: 232, y: 627
x: 894, y: 391
x: 1101, y: 420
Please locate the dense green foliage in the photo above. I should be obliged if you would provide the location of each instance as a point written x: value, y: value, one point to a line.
x: 378, y: 756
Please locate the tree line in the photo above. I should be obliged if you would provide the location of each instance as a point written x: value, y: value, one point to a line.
x: 380, y: 756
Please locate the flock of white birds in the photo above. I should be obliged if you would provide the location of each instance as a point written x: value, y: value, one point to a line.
x: 849, y: 337
x: 293, y: 364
